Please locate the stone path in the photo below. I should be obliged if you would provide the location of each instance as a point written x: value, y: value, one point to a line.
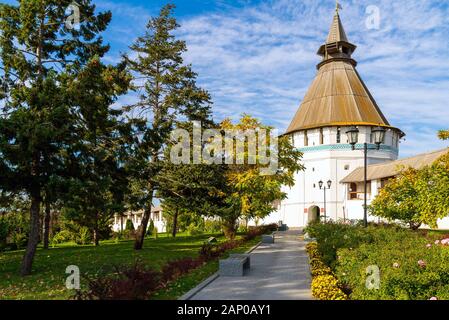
x: 279, y: 271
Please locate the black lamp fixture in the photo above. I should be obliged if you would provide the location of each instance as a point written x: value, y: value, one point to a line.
x: 353, y: 138
x: 322, y: 187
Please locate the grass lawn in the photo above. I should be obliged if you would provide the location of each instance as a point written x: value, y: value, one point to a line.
x: 48, y: 278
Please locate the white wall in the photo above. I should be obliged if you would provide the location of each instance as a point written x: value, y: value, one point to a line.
x: 329, y: 161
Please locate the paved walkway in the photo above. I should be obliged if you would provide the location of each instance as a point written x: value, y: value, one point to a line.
x: 278, y: 271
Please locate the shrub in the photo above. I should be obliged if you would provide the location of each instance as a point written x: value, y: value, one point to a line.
x: 150, y: 229
x: 131, y: 283
x: 194, y: 230
x: 210, y: 252
x: 61, y: 237
x: 174, y: 269
x: 212, y: 226
x: 83, y: 237
x: 413, y: 264
x: 333, y: 236
x: 129, y: 225
x: 325, y: 287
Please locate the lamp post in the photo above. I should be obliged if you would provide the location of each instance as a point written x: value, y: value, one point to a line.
x: 353, y: 137
x: 322, y: 186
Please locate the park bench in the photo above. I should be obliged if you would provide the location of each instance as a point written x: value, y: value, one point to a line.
x: 235, y: 265
x: 268, y: 238
x: 283, y: 227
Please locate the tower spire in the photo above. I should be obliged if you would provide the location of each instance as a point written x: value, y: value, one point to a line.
x: 337, y: 45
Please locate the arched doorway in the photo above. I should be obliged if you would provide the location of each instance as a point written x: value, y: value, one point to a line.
x: 314, y: 214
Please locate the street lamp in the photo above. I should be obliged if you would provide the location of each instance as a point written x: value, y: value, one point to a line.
x: 321, y: 184
x: 353, y: 137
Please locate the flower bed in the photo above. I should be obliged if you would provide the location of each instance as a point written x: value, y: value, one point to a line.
x: 412, y: 265
x: 325, y: 285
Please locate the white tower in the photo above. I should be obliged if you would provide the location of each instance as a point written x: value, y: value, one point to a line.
x: 336, y: 100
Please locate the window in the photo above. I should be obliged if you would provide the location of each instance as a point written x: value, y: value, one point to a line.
x: 353, y: 191
x: 338, y: 135
x: 347, y: 167
x: 321, y: 136
x: 306, y: 139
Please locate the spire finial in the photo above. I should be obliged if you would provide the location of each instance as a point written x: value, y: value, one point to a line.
x: 337, y: 7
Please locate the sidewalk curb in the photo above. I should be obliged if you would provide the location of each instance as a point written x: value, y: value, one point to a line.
x: 190, y: 294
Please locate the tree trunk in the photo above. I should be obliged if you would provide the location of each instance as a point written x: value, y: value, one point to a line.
x: 175, y: 223
x: 96, y: 237
x: 142, y: 229
x: 46, y: 224
x: 229, y: 229
x: 96, y: 233
x: 33, y: 239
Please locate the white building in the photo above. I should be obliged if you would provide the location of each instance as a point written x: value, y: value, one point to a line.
x: 119, y: 222
x: 337, y: 100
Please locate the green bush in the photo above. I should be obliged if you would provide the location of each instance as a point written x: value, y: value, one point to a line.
x: 333, y: 236
x: 212, y: 226
x: 150, y: 229
x: 83, y: 237
x: 129, y: 225
x: 194, y: 230
x: 412, y: 265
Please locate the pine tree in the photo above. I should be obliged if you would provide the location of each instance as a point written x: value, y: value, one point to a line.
x: 96, y: 193
x: 167, y: 91
x: 39, y: 52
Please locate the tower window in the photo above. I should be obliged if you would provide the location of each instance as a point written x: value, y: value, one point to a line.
x: 306, y: 138
x: 338, y: 135
x: 321, y: 136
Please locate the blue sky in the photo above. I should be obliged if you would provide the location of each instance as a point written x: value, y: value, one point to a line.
x: 259, y: 56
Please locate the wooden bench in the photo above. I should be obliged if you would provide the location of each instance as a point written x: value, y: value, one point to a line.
x: 235, y: 265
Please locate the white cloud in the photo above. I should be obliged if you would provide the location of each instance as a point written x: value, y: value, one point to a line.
x: 261, y: 59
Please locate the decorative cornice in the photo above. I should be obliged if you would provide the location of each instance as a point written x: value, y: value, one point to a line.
x: 342, y: 146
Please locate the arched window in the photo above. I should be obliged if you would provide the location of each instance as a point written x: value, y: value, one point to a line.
x: 306, y: 138
x: 338, y: 135
x: 321, y: 136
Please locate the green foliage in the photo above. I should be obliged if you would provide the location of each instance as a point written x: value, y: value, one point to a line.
x: 333, y: 236
x: 14, y: 230
x: 168, y: 94
x: 194, y: 230
x: 129, y: 225
x: 72, y: 232
x: 249, y: 193
x: 413, y: 264
x: 416, y: 197
x: 43, y: 65
x: 212, y: 226
x: 150, y: 230
x: 443, y: 134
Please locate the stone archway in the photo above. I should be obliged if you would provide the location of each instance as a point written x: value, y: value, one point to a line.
x: 314, y: 214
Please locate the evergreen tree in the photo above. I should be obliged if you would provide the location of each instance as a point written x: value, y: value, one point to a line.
x: 167, y: 92
x: 96, y: 193
x: 39, y: 51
